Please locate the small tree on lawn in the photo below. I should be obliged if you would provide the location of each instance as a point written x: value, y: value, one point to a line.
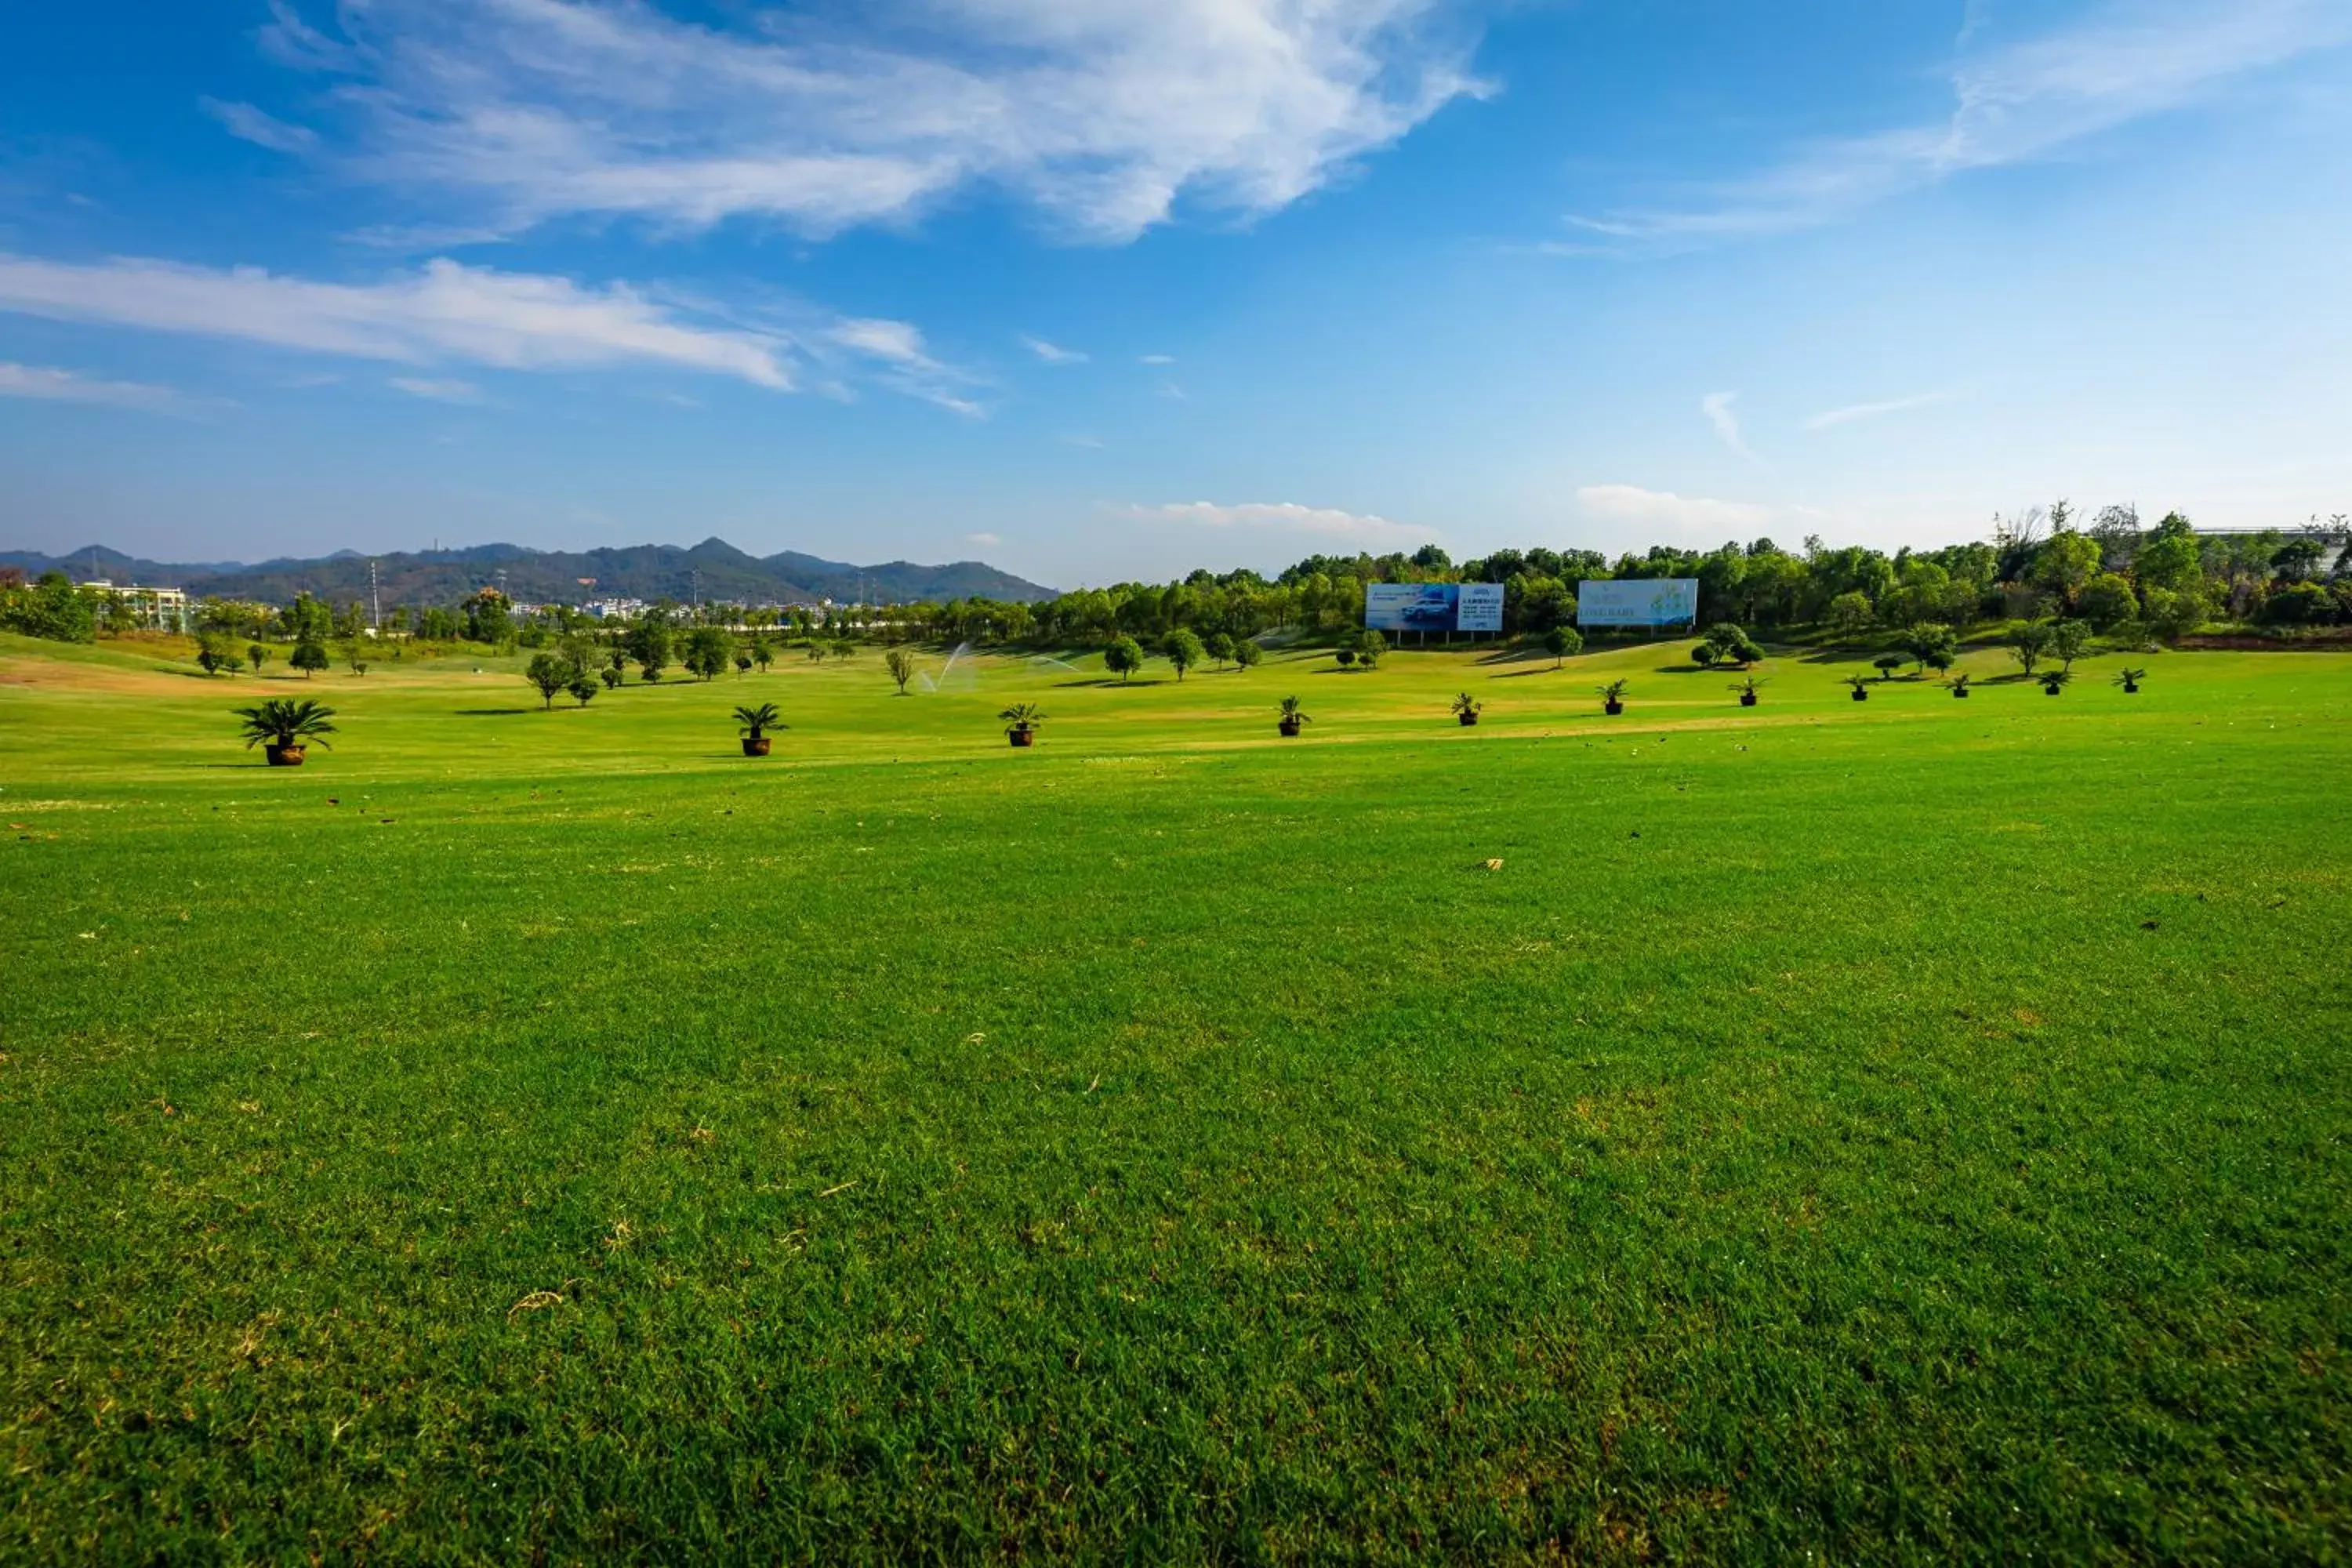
x: 764, y: 653
x: 1220, y: 646
x: 2028, y: 643
x: 613, y: 676
x: 1182, y: 649
x: 548, y: 674
x: 1562, y: 642
x: 708, y: 650
x: 1368, y: 650
x: 582, y: 688
x: 214, y: 655
x: 900, y: 662
x: 1887, y: 664
x: 1930, y: 643
x: 743, y: 662
x: 1347, y: 657
x: 309, y: 657
x: 256, y: 656
x: 1247, y: 654
x: 1732, y: 644
x: 1704, y: 655
x: 841, y: 647
x: 2069, y: 641
x: 1123, y: 658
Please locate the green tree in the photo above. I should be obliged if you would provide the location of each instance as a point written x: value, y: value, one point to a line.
x: 1562, y: 642
x: 309, y: 657
x: 582, y: 688
x: 1123, y: 657
x: 1370, y: 647
x: 1182, y: 649
x: 1930, y: 643
x: 1247, y: 654
x: 764, y: 653
x: 1850, y: 611
x: 649, y: 645
x: 2070, y: 640
x: 549, y: 674
x: 2170, y: 558
x: 2028, y: 642
x: 215, y: 654
x: 613, y: 676
x: 256, y: 656
x: 1221, y: 647
x: 900, y: 662
x: 1887, y: 664
x: 708, y: 651
x: 2107, y: 600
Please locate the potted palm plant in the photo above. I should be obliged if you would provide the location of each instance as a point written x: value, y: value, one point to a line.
x: 1959, y: 684
x: 1747, y: 690
x: 757, y: 723
x: 1466, y: 709
x: 283, y: 727
x: 1613, y: 696
x: 1861, y: 684
x: 1021, y: 722
x: 2053, y: 682
x: 1293, y: 716
x: 2129, y: 678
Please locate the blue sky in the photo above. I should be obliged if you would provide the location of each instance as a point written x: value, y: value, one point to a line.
x: 1121, y: 288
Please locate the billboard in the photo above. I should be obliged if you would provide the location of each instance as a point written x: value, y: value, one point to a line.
x: 1638, y: 601
x: 1433, y: 607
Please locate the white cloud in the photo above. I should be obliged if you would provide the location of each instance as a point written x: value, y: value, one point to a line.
x: 439, y: 391
x: 1665, y: 512
x: 1354, y: 527
x: 1157, y: 359
x: 1103, y: 115
x: 445, y: 311
x: 982, y: 539
x: 1837, y: 416
x: 2132, y: 59
x: 46, y: 384
x: 250, y: 124
x: 906, y: 364
x: 1717, y: 406
x: 1053, y: 353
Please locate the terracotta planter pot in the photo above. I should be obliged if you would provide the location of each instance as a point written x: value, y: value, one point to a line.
x: 1467, y: 718
x: 1959, y: 691
x: 1861, y: 696
x: 756, y: 745
x: 1288, y: 727
x: 2130, y: 687
x: 1612, y: 706
x: 2050, y: 691
x: 284, y: 756
x: 1747, y: 700
x: 1022, y: 737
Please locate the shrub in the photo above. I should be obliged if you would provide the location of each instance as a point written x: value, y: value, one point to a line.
x: 1247, y: 654
x: 582, y: 688
x: 1562, y: 642
x: 1370, y: 649
x: 309, y: 657
x: 1887, y: 664
x: 2106, y: 600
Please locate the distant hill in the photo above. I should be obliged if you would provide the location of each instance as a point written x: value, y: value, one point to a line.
x: 540, y: 576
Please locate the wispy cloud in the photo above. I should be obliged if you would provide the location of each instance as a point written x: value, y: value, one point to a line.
x: 982, y: 539
x: 47, y: 383
x: 907, y: 364
x: 1102, y: 115
x: 250, y: 124
x: 2028, y: 100
x: 439, y: 390
x: 1717, y: 406
x: 1157, y: 359
x: 444, y: 311
x: 1053, y: 353
x: 1666, y: 513
x: 1836, y: 416
x: 1330, y: 522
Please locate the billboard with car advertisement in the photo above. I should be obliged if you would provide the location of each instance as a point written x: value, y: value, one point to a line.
x: 1638, y: 601
x: 1433, y: 607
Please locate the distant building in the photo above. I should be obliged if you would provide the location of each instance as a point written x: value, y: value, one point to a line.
x: 156, y: 609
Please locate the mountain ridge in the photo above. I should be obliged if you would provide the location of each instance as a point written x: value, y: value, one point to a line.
x: 711, y: 570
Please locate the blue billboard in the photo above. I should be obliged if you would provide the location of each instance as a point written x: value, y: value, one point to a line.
x: 1433, y: 607
x: 1638, y: 601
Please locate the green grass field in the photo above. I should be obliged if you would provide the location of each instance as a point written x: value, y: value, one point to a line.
x: 1841, y: 1133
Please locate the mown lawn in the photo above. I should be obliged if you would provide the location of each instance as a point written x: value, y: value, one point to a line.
x: 1896, y: 1132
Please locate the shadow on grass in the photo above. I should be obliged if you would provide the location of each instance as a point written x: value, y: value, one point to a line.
x: 497, y: 713
x: 1523, y: 674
